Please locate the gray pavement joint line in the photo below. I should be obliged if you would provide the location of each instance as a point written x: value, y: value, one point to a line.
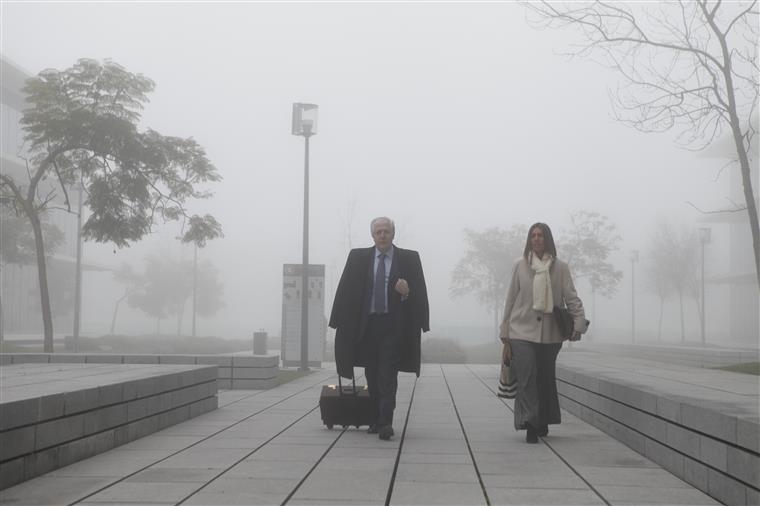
x: 575, y: 471
x: 400, y: 446
x: 685, y: 455
x: 466, y: 439
x: 306, y: 476
x: 241, y: 399
x: 196, y: 443
x: 258, y: 392
x: 661, y: 418
x: 262, y: 445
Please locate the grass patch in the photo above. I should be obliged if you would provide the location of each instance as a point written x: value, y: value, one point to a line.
x: 285, y: 375
x: 745, y: 368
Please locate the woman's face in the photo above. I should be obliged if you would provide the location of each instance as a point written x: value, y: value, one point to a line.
x: 537, y: 242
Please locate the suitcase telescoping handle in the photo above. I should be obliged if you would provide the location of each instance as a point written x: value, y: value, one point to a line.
x: 340, y: 386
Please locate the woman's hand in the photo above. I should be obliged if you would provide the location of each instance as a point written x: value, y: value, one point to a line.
x: 506, y: 352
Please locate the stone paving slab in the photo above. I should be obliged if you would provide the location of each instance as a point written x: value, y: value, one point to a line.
x: 454, y: 444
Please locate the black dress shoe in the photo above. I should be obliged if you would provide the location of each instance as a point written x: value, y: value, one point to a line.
x: 372, y: 429
x: 543, y: 430
x: 531, y: 436
x: 385, y: 432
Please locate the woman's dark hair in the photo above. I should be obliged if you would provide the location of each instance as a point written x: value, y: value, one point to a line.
x: 549, y: 246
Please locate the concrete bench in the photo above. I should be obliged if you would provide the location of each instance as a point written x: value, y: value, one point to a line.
x: 256, y: 372
x: 54, y: 414
x: 702, y: 425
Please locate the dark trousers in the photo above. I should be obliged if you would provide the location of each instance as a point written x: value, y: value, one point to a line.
x: 536, y: 402
x: 383, y: 360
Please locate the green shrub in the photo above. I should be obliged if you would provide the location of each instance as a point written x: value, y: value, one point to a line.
x: 439, y: 350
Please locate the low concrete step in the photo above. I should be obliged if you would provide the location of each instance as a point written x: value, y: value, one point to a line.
x: 702, y: 425
x: 52, y: 415
x: 252, y: 372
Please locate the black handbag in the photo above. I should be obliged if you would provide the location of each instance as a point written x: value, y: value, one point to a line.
x: 564, y: 321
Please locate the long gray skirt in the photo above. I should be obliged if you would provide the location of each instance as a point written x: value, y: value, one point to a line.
x: 536, y: 402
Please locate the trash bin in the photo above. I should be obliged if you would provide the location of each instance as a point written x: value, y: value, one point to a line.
x: 259, y: 343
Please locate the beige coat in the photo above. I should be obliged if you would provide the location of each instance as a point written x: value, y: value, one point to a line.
x: 521, y: 321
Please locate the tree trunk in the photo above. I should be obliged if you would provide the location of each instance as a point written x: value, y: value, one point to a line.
x: 116, y: 310
x: 47, y: 315
x: 180, y: 314
x: 496, y: 321
x: 741, y: 151
x: 593, y: 313
x: 659, y: 323
x: 680, y: 302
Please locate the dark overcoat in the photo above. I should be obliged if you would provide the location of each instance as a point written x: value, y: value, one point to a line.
x: 351, y: 309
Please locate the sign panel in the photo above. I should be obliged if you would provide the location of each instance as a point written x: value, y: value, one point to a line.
x: 290, y: 352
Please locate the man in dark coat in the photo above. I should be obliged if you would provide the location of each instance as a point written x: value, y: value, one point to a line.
x: 379, y: 313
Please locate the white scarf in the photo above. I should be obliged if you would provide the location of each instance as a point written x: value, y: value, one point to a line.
x: 543, y: 299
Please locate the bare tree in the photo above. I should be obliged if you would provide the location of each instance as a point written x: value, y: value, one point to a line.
x: 485, y: 269
x: 586, y: 246
x: 672, y: 266
x: 691, y: 65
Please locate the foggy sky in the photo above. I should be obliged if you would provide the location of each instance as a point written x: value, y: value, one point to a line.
x: 468, y: 116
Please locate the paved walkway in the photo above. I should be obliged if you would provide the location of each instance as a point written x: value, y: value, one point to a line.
x: 454, y: 444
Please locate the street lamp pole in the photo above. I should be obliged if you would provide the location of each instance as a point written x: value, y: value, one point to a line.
x: 704, y: 238
x: 305, y: 263
x: 634, y: 259
x: 305, y: 125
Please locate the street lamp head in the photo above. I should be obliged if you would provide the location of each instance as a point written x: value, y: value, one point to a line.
x: 634, y: 255
x: 304, y: 119
x: 705, y: 235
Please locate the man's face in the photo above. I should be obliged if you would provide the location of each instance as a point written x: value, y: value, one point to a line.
x: 382, y: 233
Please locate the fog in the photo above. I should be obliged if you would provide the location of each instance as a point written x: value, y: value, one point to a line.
x: 442, y: 116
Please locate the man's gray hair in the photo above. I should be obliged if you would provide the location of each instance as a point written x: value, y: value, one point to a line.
x: 382, y: 218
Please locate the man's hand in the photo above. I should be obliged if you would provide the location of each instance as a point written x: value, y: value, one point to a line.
x: 402, y: 287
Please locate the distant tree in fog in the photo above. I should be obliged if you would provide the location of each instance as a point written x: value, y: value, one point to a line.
x: 82, y: 129
x: 485, y: 269
x: 689, y: 65
x: 586, y: 246
x: 673, y: 267
x: 167, y: 285
x: 131, y: 281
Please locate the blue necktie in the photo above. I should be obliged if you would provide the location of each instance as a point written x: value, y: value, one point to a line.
x: 379, y: 288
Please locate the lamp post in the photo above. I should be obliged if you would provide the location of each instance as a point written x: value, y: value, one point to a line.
x: 704, y: 238
x: 634, y: 259
x: 305, y: 125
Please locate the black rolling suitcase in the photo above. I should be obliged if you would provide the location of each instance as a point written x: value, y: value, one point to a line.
x: 345, y: 405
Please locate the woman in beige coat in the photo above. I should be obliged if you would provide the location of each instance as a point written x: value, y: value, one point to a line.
x: 531, y: 336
